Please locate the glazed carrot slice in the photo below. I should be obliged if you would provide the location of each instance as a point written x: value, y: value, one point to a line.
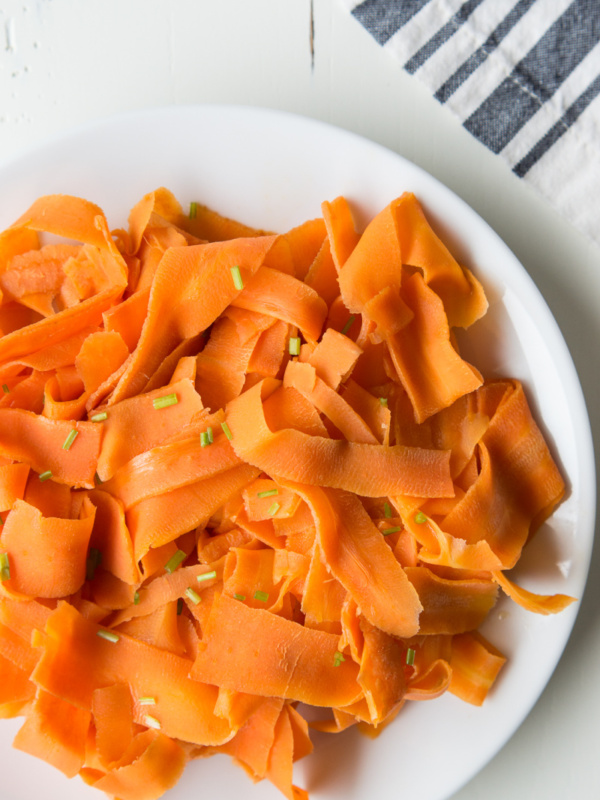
x: 342, y: 235
x: 333, y: 357
x: 300, y: 668
x: 16, y: 690
x: 283, y: 296
x: 201, y: 276
x: 451, y: 606
x: 47, y: 555
x: 157, y: 520
x: 168, y: 467
x: 360, y: 559
x: 56, y: 732
x: 538, y: 603
x: 140, y: 423
x: 319, y: 461
x: 475, y: 666
x: 72, y: 646
x: 461, y: 293
x: 153, y: 765
x: 37, y: 441
x: 13, y: 479
x: 57, y: 328
x: 431, y: 371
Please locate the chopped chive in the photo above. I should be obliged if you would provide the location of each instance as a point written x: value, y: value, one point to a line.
x: 5, y: 389
x: 100, y: 417
x: 294, y: 346
x: 193, y: 596
x: 1, y: 521
x: 70, y: 439
x: 108, y: 635
x: 179, y: 606
x: 175, y: 561
x: 151, y: 722
x: 240, y: 596
x: 206, y: 576
x: 204, y: 442
x: 136, y: 599
x: 274, y: 509
x: 97, y: 478
x: 4, y: 567
x: 147, y: 701
x: 420, y: 517
x: 268, y: 493
x: 383, y: 401
x: 44, y: 476
x: 387, y: 511
x: 348, y: 325
x: 387, y: 531
x: 165, y: 401
x: 410, y: 656
x: 237, y: 278
x: 262, y: 596
x: 94, y: 560
x: 226, y: 430
x: 193, y: 210
x: 338, y: 658
x: 209, y: 433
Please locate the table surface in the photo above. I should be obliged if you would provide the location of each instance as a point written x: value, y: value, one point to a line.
x: 64, y: 63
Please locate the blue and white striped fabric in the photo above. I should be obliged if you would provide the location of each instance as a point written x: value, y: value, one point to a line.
x: 523, y: 76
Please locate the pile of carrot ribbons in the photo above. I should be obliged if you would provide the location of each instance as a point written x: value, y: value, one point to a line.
x: 241, y: 472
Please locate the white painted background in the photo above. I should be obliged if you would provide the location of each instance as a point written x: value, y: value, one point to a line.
x: 64, y: 62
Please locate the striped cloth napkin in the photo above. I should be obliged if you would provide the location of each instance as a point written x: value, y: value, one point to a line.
x: 523, y: 76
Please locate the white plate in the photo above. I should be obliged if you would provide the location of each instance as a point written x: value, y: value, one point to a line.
x: 273, y: 170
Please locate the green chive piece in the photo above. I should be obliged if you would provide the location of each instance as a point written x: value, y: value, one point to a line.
x: 262, y: 596
x: 294, y: 346
x: 268, y: 493
x: 274, y: 509
x: 383, y: 401
x: 4, y: 567
x: 237, y: 278
x: 226, y: 430
x: 387, y: 531
x: 98, y: 479
x: 147, y: 701
x: 338, y: 658
x: 420, y: 517
x: 209, y: 433
x: 410, y: 656
x: 175, y: 561
x: 165, y: 401
x: 45, y: 476
x: 206, y: 576
x: 193, y: 596
x: 152, y: 722
x: 179, y: 606
x: 92, y: 563
x: 100, y: 417
x: 5, y: 389
x: 193, y: 210
x: 70, y: 439
x: 204, y: 439
x: 387, y: 511
x: 241, y: 597
x: 108, y: 635
x: 1, y: 521
x: 348, y: 325
x: 136, y: 599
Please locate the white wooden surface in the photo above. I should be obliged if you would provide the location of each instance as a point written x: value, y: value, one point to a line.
x: 64, y: 62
